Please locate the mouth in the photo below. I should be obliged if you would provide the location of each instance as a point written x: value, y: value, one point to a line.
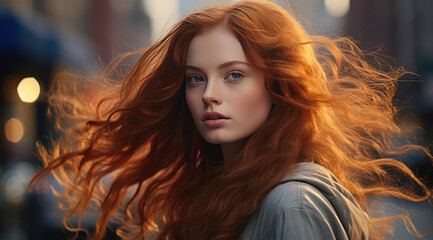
x: 214, y: 119
x: 213, y: 116
x: 217, y: 122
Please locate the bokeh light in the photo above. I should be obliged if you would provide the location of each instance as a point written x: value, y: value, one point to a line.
x: 14, y: 190
x: 14, y: 130
x: 28, y: 89
x: 163, y: 13
x: 337, y: 8
x: 15, y: 181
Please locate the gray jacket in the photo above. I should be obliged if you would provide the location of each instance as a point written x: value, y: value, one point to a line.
x: 309, y: 204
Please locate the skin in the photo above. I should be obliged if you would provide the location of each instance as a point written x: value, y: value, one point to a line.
x: 219, y: 78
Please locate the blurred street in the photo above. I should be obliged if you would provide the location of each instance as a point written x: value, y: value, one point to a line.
x: 41, y: 38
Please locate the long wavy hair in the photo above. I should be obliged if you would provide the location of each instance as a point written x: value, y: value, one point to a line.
x: 131, y: 149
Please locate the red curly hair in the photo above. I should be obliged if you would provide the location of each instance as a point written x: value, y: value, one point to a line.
x: 162, y: 178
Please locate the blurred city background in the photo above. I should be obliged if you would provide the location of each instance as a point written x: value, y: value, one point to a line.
x: 39, y: 38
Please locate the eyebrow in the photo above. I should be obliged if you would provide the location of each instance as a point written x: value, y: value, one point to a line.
x: 221, y: 66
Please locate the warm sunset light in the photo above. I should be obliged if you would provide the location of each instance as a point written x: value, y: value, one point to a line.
x: 337, y: 8
x: 163, y: 14
x: 14, y: 130
x: 28, y: 89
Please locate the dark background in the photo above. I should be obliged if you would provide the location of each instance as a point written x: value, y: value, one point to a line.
x: 39, y: 38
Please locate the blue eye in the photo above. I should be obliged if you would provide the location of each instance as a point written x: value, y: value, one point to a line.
x: 235, y: 76
x: 194, y: 79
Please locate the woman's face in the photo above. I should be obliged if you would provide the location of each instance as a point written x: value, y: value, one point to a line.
x: 225, y: 95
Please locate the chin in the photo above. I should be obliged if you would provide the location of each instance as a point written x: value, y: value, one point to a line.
x: 219, y: 140
x: 223, y: 137
x: 214, y: 141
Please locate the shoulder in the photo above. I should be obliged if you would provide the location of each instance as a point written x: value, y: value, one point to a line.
x: 294, y: 195
x: 294, y: 210
x: 302, y: 189
x: 308, y: 204
x: 300, y: 206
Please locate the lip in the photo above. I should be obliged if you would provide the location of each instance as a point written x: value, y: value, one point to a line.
x: 209, y: 121
x: 212, y: 114
x: 215, y: 122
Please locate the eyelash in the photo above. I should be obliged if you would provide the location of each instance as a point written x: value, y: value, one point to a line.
x: 240, y: 75
x: 190, y: 78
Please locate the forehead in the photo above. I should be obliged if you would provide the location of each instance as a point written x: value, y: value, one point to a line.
x: 215, y: 46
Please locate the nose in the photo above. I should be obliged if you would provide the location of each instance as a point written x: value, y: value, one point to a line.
x: 212, y: 93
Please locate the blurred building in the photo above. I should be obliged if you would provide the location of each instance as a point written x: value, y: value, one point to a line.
x: 38, y: 38
x: 403, y: 30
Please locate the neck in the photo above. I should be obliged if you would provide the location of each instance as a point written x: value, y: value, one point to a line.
x: 230, y: 150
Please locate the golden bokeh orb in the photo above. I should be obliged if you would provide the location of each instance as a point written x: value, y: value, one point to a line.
x: 28, y: 89
x: 14, y: 130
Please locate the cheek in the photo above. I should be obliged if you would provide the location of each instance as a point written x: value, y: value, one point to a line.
x: 255, y: 105
x: 193, y: 101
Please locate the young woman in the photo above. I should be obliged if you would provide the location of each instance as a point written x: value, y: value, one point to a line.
x: 235, y: 125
